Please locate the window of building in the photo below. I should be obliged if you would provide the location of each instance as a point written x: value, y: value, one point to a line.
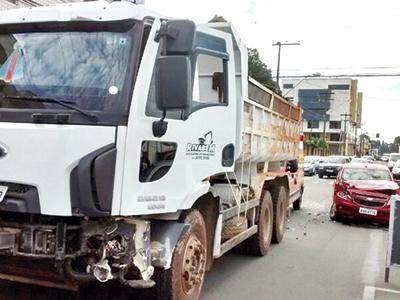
x: 339, y: 87
x: 288, y: 85
x: 334, y: 124
x: 335, y: 137
x: 313, y: 124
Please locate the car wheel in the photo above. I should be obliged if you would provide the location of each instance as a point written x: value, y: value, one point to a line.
x: 333, y: 214
x: 320, y: 175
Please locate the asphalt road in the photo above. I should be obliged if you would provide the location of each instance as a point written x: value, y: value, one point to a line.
x: 318, y: 259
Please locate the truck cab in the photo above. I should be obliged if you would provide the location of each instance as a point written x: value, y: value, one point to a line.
x: 131, y: 144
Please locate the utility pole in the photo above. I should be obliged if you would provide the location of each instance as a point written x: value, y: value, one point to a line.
x: 345, y: 131
x: 279, y: 44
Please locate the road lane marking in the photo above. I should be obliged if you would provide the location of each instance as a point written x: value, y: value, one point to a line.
x: 370, y: 292
x: 370, y: 269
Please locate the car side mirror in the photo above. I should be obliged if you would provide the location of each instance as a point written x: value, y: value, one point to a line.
x: 292, y: 166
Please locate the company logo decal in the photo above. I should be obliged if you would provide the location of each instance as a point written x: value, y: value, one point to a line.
x: 203, y: 149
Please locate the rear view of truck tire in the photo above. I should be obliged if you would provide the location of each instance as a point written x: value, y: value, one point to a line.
x: 151, y: 151
x: 260, y: 243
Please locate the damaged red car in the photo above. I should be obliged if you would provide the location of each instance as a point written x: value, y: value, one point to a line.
x: 363, y: 191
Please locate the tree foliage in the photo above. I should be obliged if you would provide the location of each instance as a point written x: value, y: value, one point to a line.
x: 217, y: 19
x: 259, y: 70
x: 316, y: 143
x: 395, y: 146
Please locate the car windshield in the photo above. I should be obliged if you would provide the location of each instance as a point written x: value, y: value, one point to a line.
x: 308, y: 160
x: 359, y: 160
x: 86, y: 64
x: 335, y: 160
x: 365, y: 174
x: 394, y: 157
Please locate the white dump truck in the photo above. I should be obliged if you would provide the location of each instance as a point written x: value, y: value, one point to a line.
x: 135, y: 148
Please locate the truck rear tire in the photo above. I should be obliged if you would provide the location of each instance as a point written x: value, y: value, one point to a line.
x: 184, y: 280
x: 279, y: 198
x: 320, y: 175
x: 297, y: 203
x: 260, y: 243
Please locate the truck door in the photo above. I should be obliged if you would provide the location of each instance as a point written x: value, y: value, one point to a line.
x: 169, y: 173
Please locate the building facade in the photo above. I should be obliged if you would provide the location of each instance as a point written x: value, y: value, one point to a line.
x: 332, y: 110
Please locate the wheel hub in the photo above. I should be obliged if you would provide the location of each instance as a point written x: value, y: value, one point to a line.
x: 194, y: 262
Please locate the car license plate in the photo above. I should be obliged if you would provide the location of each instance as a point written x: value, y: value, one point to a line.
x: 368, y: 211
x: 330, y: 171
x: 3, y: 191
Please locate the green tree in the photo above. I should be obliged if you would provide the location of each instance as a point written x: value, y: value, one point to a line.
x: 217, y: 19
x: 394, y: 147
x: 259, y: 70
x: 316, y: 143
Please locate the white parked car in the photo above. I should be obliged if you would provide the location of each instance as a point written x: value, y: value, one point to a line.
x: 393, y: 157
x: 361, y: 160
x: 396, y: 170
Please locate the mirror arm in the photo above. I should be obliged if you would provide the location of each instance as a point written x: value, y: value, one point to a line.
x: 160, y: 127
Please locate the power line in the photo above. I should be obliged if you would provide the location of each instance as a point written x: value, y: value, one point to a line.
x: 343, y: 75
x: 279, y: 44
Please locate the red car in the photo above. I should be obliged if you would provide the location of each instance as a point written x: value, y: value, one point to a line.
x: 363, y: 191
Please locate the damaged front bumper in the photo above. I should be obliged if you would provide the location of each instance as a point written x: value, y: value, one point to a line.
x: 58, y: 252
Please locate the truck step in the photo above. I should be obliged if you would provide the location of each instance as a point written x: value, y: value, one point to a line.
x: 233, y: 211
x: 229, y: 244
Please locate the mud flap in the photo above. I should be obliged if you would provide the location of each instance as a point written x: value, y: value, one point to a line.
x: 165, y: 235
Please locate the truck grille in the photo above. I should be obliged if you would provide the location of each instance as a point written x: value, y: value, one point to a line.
x: 17, y: 188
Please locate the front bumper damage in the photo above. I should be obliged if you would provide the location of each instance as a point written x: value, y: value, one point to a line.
x: 64, y: 253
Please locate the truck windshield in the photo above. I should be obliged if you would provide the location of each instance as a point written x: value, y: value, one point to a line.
x: 84, y: 63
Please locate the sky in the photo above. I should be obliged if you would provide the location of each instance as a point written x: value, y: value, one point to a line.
x: 336, y: 37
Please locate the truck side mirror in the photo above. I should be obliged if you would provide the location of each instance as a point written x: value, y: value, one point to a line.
x: 173, y: 83
x: 172, y: 89
x: 292, y: 166
x: 180, y: 36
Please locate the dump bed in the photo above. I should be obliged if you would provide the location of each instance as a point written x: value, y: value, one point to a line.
x: 270, y: 126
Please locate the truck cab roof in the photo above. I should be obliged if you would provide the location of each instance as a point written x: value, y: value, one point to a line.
x: 80, y: 11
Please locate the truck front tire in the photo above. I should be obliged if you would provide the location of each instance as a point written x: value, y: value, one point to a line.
x: 259, y: 243
x: 184, y: 280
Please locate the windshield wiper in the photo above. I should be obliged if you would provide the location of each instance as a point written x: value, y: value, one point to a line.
x: 64, y: 103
